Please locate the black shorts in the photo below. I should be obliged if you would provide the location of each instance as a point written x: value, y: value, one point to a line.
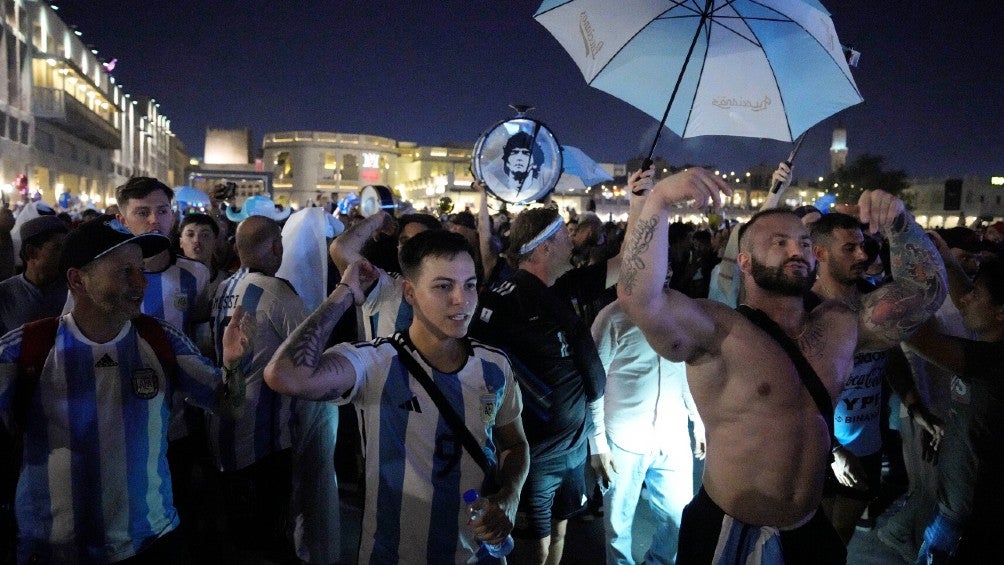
x: 872, y: 465
x: 555, y: 490
x: 813, y: 543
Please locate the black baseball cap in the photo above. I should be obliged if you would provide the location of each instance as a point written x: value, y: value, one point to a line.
x: 42, y: 225
x: 102, y: 235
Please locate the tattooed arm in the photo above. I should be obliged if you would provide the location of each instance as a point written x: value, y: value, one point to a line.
x: 301, y: 367
x: 676, y: 326
x: 639, y: 185
x: 894, y: 311
x: 347, y: 247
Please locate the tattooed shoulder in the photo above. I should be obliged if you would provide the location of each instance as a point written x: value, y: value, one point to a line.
x: 812, y: 340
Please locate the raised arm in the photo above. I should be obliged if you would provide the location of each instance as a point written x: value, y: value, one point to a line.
x: 488, y: 256
x: 347, y: 247
x: 301, y: 367
x: 639, y: 185
x: 959, y: 283
x: 676, y: 326
x: 895, y: 310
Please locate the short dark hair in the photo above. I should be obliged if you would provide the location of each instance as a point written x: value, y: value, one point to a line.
x: 528, y: 225
x: 431, y: 243
x: 200, y: 220
x: 465, y: 219
x: 427, y: 220
x: 961, y: 237
x: 756, y: 217
x: 828, y: 223
x: 678, y: 231
x: 991, y: 274
x: 140, y: 187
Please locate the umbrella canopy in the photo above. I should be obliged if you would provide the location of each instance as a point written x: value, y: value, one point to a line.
x: 763, y: 68
x: 190, y: 199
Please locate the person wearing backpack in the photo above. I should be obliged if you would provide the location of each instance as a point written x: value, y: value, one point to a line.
x: 89, y: 393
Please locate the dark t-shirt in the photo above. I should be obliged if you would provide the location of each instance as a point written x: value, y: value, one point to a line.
x: 585, y: 289
x: 971, y: 463
x: 554, y: 358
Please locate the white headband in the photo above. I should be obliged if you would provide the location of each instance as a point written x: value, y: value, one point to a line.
x: 550, y: 230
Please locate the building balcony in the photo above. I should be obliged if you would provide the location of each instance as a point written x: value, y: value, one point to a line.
x: 73, y: 117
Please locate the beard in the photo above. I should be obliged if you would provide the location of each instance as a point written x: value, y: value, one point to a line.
x: 774, y: 279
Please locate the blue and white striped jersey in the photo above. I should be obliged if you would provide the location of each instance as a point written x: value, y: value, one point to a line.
x: 175, y: 293
x: 95, y: 485
x: 172, y: 295
x: 416, y: 468
x: 385, y: 311
x: 264, y: 426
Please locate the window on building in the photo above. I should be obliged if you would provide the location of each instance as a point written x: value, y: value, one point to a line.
x: 3, y: 124
x: 24, y: 133
x: 12, y: 128
x: 350, y: 168
x: 283, y: 166
x: 45, y: 142
x: 13, y: 76
x: 330, y: 162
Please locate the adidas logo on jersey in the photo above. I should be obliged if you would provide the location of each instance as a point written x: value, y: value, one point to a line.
x: 411, y: 405
x: 106, y: 361
x: 504, y: 288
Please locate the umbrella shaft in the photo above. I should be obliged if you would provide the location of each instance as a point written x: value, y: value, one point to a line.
x: 697, y: 34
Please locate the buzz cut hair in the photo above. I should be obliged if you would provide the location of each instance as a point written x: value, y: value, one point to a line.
x: 758, y: 216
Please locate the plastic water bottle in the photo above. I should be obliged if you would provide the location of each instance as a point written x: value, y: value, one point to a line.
x: 476, y: 506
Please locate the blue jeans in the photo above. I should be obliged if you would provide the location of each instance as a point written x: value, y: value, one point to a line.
x: 941, y: 539
x: 669, y: 478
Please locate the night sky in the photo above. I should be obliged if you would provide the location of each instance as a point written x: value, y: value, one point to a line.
x: 931, y: 74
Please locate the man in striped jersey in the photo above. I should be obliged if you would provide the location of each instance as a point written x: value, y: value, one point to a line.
x: 253, y: 451
x: 95, y: 485
x: 175, y: 293
x: 416, y: 465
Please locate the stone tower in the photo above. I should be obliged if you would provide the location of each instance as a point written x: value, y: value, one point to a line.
x: 838, y: 149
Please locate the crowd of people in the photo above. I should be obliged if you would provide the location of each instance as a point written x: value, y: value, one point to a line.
x: 190, y: 387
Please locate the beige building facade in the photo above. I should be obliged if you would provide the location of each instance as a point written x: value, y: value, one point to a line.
x: 66, y: 125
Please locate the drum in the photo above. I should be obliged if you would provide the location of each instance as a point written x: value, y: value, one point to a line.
x: 375, y: 197
x: 519, y: 160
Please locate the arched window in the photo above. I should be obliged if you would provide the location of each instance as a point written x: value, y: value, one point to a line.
x: 329, y: 164
x: 283, y: 166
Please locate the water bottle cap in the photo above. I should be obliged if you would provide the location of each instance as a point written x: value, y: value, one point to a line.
x: 470, y: 496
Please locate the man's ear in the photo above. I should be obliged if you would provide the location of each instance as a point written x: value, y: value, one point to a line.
x: 30, y: 251
x: 408, y: 291
x: 820, y: 253
x: 744, y: 261
x: 75, y: 279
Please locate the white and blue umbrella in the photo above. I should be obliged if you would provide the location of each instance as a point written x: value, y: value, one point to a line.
x: 579, y: 170
x: 750, y: 68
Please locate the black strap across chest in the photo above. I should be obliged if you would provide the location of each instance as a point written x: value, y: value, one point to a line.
x: 805, y: 371
x: 405, y: 352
